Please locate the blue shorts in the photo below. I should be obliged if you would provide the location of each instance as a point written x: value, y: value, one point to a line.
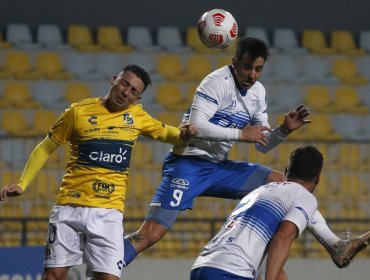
x: 211, y: 273
x: 186, y: 177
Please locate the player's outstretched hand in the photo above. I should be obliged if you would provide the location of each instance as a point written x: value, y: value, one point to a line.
x: 295, y: 119
x: 187, y: 131
x: 11, y: 190
x: 255, y: 134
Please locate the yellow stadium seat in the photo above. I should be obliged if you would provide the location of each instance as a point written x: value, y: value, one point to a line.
x: 346, y: 71
x: 318, y: 98
x: 169, y: 118
x: 43, y: 121
x: 110, y: 38
x: 190, y: 92
x: 193, y: 41
x: 15, y: 124
x: 17, y: 95
x: 50, y: 65
x: 314, y: 40
x: 347, y: 100
x: 142, y: 157
x: 4, y: 44
x: 169, y: 95
x: 198, y: 67
x: 77, y: 91
x: 170, y: 67
x: 223, y: 61
x: 343, y: 42
x: 320, y: 129
x: 18, y: 65
x: 80, y: 37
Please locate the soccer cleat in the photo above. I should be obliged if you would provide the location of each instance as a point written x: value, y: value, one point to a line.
x: 346, y: 249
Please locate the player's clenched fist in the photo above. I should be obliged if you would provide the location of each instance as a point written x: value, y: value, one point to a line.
x: 11, y: 190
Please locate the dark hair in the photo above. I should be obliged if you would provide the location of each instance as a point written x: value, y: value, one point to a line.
x: 253, y: 47
x: 140, y: 72
x: 305, y: 163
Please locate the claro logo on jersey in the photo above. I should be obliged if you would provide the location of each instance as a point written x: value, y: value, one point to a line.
x: 105, y: 153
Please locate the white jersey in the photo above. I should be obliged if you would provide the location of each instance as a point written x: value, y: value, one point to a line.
x: 225, y: 110
x: 241, y: 244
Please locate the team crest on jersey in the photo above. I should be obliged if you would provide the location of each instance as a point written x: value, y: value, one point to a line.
x: 127, y: 119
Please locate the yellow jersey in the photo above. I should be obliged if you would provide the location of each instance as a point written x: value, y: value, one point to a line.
x: 101, y: 144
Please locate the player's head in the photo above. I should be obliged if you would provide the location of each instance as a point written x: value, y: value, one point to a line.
x: 127, y: 88
x: 305, y: 164
x: 249, y: 59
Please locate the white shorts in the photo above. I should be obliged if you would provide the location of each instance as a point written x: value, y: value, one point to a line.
x: 85, y: 235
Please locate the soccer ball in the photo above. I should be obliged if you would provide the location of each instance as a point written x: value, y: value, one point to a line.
x: 217, y: 28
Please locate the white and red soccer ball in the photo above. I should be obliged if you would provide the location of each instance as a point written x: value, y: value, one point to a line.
x: 217, y: 28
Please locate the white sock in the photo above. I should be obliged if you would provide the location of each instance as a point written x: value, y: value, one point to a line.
x: 318, y: 228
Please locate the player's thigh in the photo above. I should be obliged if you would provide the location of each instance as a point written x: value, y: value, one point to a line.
x: 64, y: 240
x: 104, y: 241
x: 183, y: 179
x: 234, y: 179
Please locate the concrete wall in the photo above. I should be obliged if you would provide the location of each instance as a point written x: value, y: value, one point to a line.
x: 325, y: 15
x: 298, y: 269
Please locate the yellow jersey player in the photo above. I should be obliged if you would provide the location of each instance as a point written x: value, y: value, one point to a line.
x: 85, y: 224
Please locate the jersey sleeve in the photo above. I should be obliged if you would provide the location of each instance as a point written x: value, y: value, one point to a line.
x: 62, y: 130
x: 302, y: 210
x: 208, y: 98
x: 155, y: 129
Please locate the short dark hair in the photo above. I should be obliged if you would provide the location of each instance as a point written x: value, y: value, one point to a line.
x: 140, y: 73
x: 305, y: 163
x: 253, y: 47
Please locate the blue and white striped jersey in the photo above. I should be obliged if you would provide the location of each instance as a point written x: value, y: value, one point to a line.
x: 241, y: 244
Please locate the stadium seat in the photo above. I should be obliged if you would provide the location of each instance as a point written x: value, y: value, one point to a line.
x: 198, y: 67
x: 18, y: 65
x: 364, y: 40
x: 317, y: 69
x: 82, y: 66
x: 15, y: 123
x: 192, y: 40
x: 141, y: 39
x: 346, y: 71
x: 43, y: 120
x: 110, y: 64
x: 261, y: 33
x: 343, y: 42
x: 50, y: 94
x: 169, y: 39
x: 169, y: 95
x: 319, y: 99
x: 50, y: 65
x: 347, y: 100
x: 18, y: 95
x: 110, y: 38
x: 50, y: 37
x: 363, y: 66
x: 4, y: 44
x: 170, y: 66
x: 19, y: 35
x: 170, y: 118
x: 81, y: 38
x: 76, y: 91
x: 142, y: 157
x: 289, y: 70
x: 286, y: 41
x: 314, y: 40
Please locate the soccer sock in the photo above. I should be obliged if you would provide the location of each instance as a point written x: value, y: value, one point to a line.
x: 318, y: 227
x: 130, y: 252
